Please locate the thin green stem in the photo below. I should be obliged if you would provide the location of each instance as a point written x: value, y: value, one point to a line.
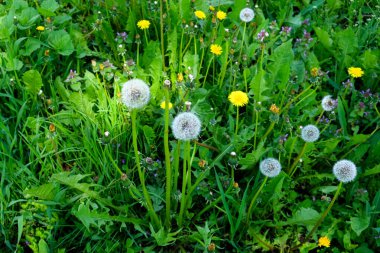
x: 293, y: 168
x: 162, y: 35
x: 237, y: 119
x: 242, y: 40
x: 323, y: 216
x: 256, y: 126
x: 267, y: 132
x: 208, y: 68
x: 148, y: 200
x: 167, y: 156
x: 250, y: 209
x: 176, y: 172
x: 185, y: 175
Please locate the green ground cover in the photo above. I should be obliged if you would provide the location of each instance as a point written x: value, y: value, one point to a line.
x: 189, y: 126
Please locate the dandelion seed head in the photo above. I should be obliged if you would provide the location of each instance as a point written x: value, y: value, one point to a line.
x: 345, y: 171
x: 310, y: 133
x: 246, y: 15
x: 186, y: 126
x: 329, y: 104
x: 270, y: 167
x: 135, y: 93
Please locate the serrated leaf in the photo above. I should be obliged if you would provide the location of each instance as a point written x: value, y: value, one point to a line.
x: 48, y: 8
x: 252, y: 158
x: 60, y: 41
x: 33, y: 81
x: 27, y: 18
x: 45, y: 191
x: 323, y: 37
x: 342, y: 116
x: 347, y: 41
x: 149, y: 134
x: 163, y: 238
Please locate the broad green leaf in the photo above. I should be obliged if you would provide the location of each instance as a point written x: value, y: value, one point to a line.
x: 347, y: 41
x: 192, y: 61
x: 6, y: 26
x: 184, y: 7
x: 27, y: 18
x: 43, y: 247
x: 259, y: 86
x: 328, y: 189
x: 374, y: 170
x: 45, y: 191
x: 359, y: 224
x: 13, y: 64
x: 323, y: 37
x: 163, y: 238
x: 33, y: 81
x: 60, y: 41
x: 370, y: 60
x: 304, y: 216
x: 82, y: 103
x: 251, y: 159
x: 281, y: 61
x: 149, y: 134
x: 31, y: 45
x: 48, y: 8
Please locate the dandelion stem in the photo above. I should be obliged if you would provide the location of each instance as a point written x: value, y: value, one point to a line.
x: 148, y: 200
x: 293, y: 168
x: 175, y: 167
x: 208, y: 68
x: 250, y: 209
x: 323, y: 216
x: 256, y: 112
x: 237, y: 119
x: 162, y: 35
x: 242, y: 40
x: 167, y: 156
x: 185, y: 175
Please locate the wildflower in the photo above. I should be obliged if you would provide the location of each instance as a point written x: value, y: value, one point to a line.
x: 262, y: 35
x: 344, y: 171
x: 106, y: 133
x: 270, y: 167
x: 355, y: 72
x: 211, y: 8
x: 123, y: 35
x: 216, y: 49
x: 329, y: 104
x: 179, y: 77
x: 202, y: 163
x: 143, y: 24
x: 285, y: 30
x: 236, y: 185
x: 367, y: 93
x: 314, y: 72
x: 238, y: 98
x: 186, y: 126
x: 347, y: 84
x: 310, y: 133
x: 162, y: 105
x: 52, y: 128
x: 135, y: 93
x: 246, y: 15
x: 273, y: 108
x: 211, y: 247
x: 72, y: 75
x: 200, y: 14
x: 221, y: 15
x: 324, y: 241
x: 40, y: 28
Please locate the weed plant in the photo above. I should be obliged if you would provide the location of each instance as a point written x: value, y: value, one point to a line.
x: 189, y: 126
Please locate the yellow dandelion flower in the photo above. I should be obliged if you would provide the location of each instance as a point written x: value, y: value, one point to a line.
x: 355, y: 72
x: 179, y: 77
x: 238, y: 98
x: 324, y: 241
x: 143, y: 24
x: 40, y: 28
x: 273, y: 108
x: 216, y: 49
x: 314, y: 72
x: 200, y: 14
x: 162, y: 105
x: 212, y: 8
x: 221, y: 15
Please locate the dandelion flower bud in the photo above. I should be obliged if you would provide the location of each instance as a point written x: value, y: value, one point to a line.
x: 246, y: 15
x: 270, y: 167
x: 310, y: 133
x: 328, y: 104
x: 344, y: 171
x: 186, y: 126
x: 135, y: 93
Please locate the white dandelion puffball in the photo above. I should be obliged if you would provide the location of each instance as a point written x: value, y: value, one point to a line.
x: 186, y: 126
x: 270, y: 167
x: 246, y: 15
x: 135, y: 93
x: 310, y: 133
x: 328, y: 104
x: 344, y: 171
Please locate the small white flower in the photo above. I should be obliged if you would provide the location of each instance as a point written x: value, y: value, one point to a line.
x: 135, y: 93
x: 106, y: 133
x: 310, y: 133
x: 246, y: 15
x: 40, y: 93
x: 270, y: 167
x: 328, y: 104
x: 186, y: 126
x: 233, y: 153
x: 345, y: 171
